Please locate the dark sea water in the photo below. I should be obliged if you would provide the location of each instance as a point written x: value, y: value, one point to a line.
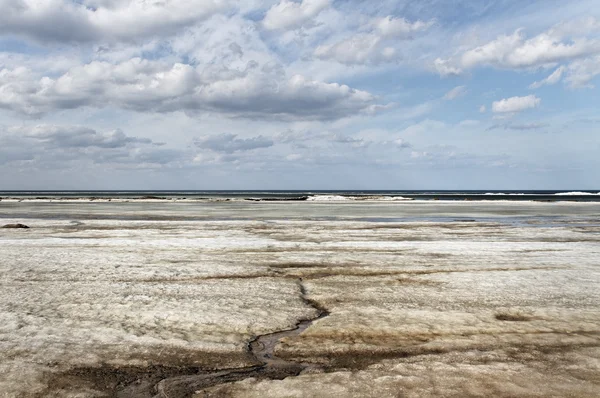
x: 297, y: 195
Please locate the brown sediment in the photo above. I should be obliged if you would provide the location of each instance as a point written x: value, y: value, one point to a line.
x: 513, y: 317
x: 358, y: 354
x: 263, y: 347
x: 159, y: 381
x: 318, y: 271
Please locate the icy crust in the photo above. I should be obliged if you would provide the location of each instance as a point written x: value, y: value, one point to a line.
x: 60, y: 326
x: 334, y: 198
x: 419, y: 307
x: 502, y: 374
x: 136, y: 294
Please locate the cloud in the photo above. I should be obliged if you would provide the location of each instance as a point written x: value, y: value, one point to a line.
x: 402, y: 143
x: 229, y: 143
x: 550, y: 80
x: 515, y: 104
x: 444, y: 68
x: 482, y: 109
x: 290, y: 14
x: 59, y: 146
x: 374, y: 46
x: 456, y: 92
x: 358, y: 49
x: 516, y: 51
x: 77, y: 137
x: 425, y: 126
x: 581, y: 72
x: 518, y: 127
x: 527, y: 126
x: 400, y: 27
x: 71, y: 21
x: 156, y: 156
x: 344, y: 139
x: 147, y: 86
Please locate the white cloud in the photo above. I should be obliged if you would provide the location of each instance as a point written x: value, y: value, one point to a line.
x: 358, y: 49
x: 290, y: 14
x: 482, y: 109
x: 444, y: 68
x: 456, y: 92
x: 550, y: 80
x: 582, y: 72
x: 399, y: 27
x: 374, y: 45
x: 230, y: 143
x: 402, y: 143
x: 576, y: 27
x: 293, y: 157
x: 516, y: 51
x: 419, y: 155
x: 147, y: 86
x: 515, y: 104
x: 70, y: 21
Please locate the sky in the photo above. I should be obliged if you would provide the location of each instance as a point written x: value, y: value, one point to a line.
x: 299, y: 94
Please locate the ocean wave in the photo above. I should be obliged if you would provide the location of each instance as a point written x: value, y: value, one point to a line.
x: 576, y: 193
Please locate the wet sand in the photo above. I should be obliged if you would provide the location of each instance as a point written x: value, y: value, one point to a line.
x: 246, y: 299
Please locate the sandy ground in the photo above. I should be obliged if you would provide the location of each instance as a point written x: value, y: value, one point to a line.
x: 424, y: 300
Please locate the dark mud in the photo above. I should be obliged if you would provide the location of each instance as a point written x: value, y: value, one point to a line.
x: 181, y: 381
x: 15, y: 226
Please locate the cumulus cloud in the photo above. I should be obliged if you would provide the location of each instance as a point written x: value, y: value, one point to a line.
x: 144, y: 85
x: 550, y: 80
x: 515, y: 104
x: 456, y: 92
x: 230, y: 143
x: 291, y: 14
x: 71, y: 21
x: 375, y: 45
x: 516, y: 51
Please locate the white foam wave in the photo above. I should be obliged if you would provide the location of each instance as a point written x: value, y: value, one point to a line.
x: 576, y: 193
x: 503, y: 194
x: 325, y: 198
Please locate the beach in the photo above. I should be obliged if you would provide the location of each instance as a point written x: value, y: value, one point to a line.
x: 393, y: 298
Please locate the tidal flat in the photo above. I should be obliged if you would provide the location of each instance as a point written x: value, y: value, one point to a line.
x: 299, y: 299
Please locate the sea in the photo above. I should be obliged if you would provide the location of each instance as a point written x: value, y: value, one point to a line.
x: 313, y: 195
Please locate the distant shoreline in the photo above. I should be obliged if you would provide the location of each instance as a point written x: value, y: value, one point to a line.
x: 316, y: 196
